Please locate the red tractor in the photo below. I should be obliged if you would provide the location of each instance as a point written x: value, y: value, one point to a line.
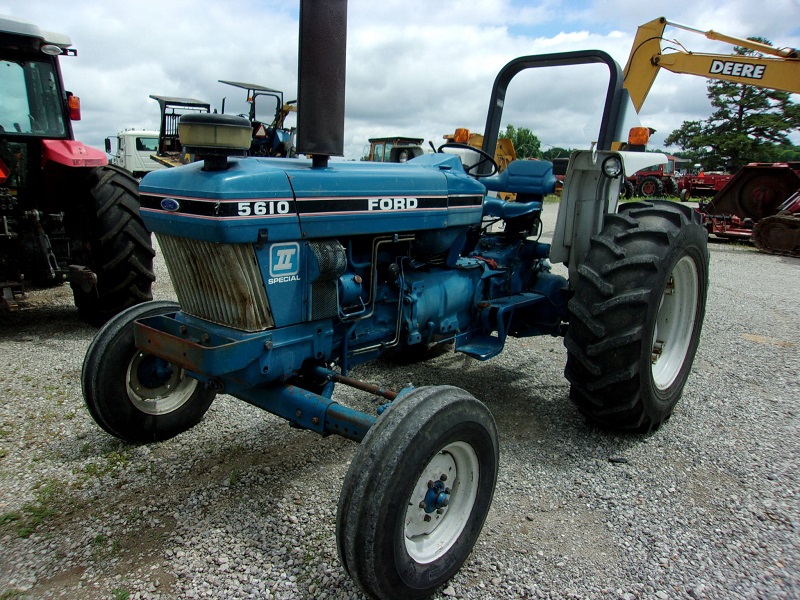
x: 701, y: 185
x: 653, y: 182
x: 65, y: 213
x: 757, y: 192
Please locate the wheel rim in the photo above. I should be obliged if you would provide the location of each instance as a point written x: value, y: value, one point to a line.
x: 440, y: 505
x: 157, y: 387
x: 674, y: 323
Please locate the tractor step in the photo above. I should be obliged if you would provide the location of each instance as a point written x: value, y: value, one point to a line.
x: 496, y: 317
x: 482, y: 347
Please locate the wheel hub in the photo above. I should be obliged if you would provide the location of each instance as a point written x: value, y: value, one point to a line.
x: 157, y: 387
x: 437, y: 514
x: 438, y: 495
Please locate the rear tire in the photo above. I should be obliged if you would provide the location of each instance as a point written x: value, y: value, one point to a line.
x: 636, y: 315
x: 627, y: 190
x: 116, y: 247
x: 649, y: 187
x: 396, y: 538
x: 136, y: 396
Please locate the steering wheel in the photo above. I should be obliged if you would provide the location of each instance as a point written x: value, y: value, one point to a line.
x: 474, y: 170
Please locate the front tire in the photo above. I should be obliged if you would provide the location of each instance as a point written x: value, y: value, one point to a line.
x: 137, y: 396
x: 116, y: 246
x: 636, y: 315
x: 417, y: 493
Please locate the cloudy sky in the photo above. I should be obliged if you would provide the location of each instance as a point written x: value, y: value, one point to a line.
x: 414, y: 67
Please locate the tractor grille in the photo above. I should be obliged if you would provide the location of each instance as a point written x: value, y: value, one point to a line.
x: 220, y: 283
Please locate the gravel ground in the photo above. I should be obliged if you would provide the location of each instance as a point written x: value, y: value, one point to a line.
x: 242, y: 506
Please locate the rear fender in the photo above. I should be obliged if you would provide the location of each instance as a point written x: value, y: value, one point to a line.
x: 586, y: 197
x: 72, y: 154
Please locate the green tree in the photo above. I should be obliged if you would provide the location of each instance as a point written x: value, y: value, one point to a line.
x: 749, y: 124
x: 526, y: 144
x: 556, y: 152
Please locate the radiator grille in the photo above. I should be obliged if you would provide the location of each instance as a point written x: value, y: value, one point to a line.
x: 220, y: 283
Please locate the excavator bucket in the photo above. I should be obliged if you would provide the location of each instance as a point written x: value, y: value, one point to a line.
x: 756, y: 191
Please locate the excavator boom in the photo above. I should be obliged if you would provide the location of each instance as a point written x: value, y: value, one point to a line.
x: 780, y: 71
x: 750, y: 204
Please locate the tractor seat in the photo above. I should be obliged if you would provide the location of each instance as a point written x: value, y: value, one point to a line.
x: 530, y: 180
x: 503, y: 209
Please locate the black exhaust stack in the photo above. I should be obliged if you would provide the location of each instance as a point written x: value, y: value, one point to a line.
x: 321, y: 79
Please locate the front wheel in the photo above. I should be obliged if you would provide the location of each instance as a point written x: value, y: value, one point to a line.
x: 134, y: 395
x: 636, y: 315
x: 417, y: 493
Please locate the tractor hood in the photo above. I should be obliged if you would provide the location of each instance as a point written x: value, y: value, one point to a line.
x: 260, y: 199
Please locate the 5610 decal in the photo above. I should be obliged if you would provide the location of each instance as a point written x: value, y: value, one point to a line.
x: 263, y: 207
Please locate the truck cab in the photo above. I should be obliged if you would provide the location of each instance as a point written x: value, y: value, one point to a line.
x: 132, y: 149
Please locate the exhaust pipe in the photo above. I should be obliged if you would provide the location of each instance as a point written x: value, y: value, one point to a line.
x: 321, y: 79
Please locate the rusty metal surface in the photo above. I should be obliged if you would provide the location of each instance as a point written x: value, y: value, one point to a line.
x: 779, y: 234
x: 220, y: 283
x: 756, y: 191
x: 365, y: 387
x: 191, y: 349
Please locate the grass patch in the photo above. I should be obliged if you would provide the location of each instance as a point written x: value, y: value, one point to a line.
x: 33, y: 514
x: 112, y: 462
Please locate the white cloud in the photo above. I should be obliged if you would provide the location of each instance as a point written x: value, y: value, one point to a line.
x: 414, y: 67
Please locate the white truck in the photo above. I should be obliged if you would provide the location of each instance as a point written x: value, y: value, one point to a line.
x: 132, y: 150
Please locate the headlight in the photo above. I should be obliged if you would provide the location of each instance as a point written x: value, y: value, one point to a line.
x: 612, y: 167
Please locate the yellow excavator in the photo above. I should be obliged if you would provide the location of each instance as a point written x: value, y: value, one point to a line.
x: 758, y: 191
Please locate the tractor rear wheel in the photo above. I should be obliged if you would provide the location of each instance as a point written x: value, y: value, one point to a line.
x: 670, y: 186
x: 417, y: 493
x: 649, y: 187
x: 116, y: 247
x: 132, y: 394
x: 627, y: 190
x: 636, y: 315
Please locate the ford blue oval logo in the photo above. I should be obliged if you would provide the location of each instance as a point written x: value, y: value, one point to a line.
x: 170, y: 204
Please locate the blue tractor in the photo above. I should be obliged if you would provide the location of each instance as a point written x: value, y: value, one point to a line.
x: 290, y: 272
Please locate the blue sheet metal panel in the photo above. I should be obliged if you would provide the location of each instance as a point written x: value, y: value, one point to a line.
x: 356, y: 198
x: 283, y: 267
x: 249, y: 201
x: 216, y: 351
x: 257, y: 198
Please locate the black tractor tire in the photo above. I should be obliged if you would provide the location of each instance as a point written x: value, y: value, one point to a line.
x: 627, y: 190
x: 115, y: 246
x: 395, y: 538
x: 685, y: 195
x: 670, y: 186
x: 134, y: 395
x: 636, y: 315
x: 650, y: 187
